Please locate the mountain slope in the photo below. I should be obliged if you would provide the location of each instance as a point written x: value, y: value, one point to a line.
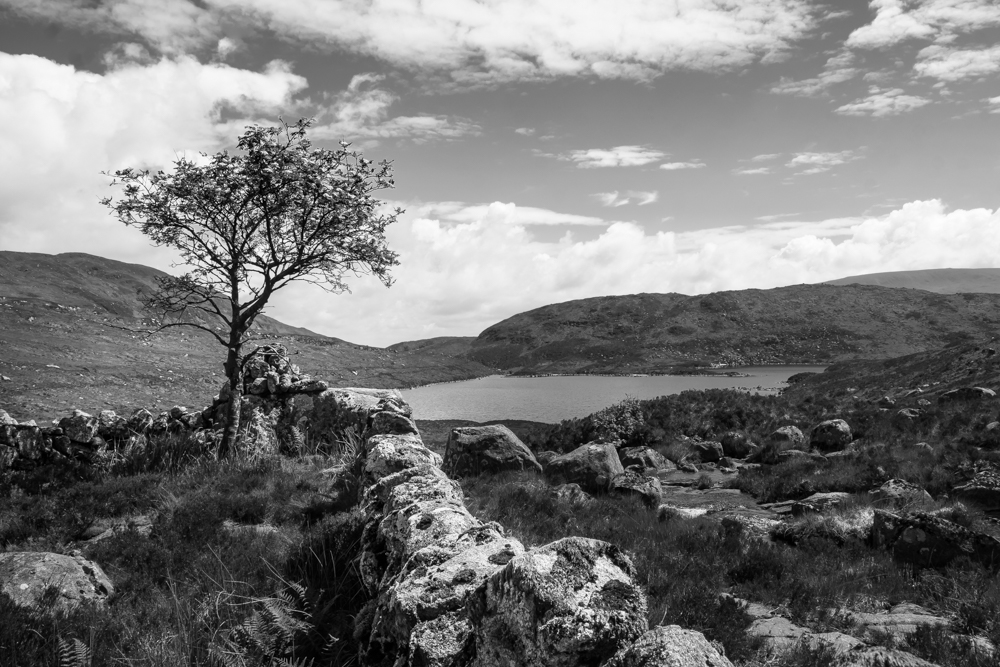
x: 65, y: 342
x: 654, y: 333
x: 942, y: 281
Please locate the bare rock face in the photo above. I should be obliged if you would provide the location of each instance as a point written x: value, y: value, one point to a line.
x: 646, y: 457
x: 473, y: 450
x: 983, y: 489
x: 629, y: 483
x: 788, y: 436
x: 932, y: 541
x: 591, y: 466
x: 831, y: 436
x: 736, y: 444
x: 570, y: 603
x: 29, y: 578
x: 708, y: 451
x: 900, y: 493
x: 670, y: 646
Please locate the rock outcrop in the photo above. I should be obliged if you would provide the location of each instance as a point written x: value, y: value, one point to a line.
x: 473, y: 450
x: 40, y: 580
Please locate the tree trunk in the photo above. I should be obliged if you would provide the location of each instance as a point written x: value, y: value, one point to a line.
x: 234, y: 372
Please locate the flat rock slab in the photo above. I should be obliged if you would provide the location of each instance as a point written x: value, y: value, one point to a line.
x: 35, y: 579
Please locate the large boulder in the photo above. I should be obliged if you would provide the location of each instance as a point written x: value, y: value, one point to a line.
x: 900, y: 493
x: 967, y: 394
x: 335, y: 410
x: 645, y: 457
x: 388, y: 454
x: 80, y: 427
x: 831, y: 435
x: 928, y: 540
x: 473, y: 450
x: 708, y: 451
x: 570, y: 603
x: 591, y: 466
x: 630, y: 483
x: 669, y: 646
x: 790, y: 437
x: 983, y: 489
x: 736, y: 444
x: 30, y: 578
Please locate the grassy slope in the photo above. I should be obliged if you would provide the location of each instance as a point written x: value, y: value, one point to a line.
x: 798, y: 324
x: 69, y: 310
x: 942, y: 281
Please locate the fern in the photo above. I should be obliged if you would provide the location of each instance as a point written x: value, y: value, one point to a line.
x: 73, y: 653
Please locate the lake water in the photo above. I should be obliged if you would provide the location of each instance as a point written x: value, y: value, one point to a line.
x: 552, y: 399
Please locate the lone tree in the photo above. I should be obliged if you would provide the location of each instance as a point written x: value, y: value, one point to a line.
x: 249, y: 223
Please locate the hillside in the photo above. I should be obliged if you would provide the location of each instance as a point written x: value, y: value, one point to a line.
x: 942, y: 281
x: 65, y: 344
x: 656, y: 333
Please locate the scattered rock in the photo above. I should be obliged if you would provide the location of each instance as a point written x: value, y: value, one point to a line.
x: 393, y: 423
x: 80, y: 427
x: 983, y: 489
x: 474, y: 450
x: 900, y: 493
x: 669, y: 646
x: 927, y: 540
x: 831, y: 435
x: 635, y: 484
x: 736, y: 444
x: 906, y: 417
x: 35, y: 580
x: 708, y: 451
x: 789, y: 436
x: 644, y: 456
x: 591, y: 466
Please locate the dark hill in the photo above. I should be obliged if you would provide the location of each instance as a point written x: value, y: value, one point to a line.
x: 656, y: 333
x: 64, y: 343
x: 942, y: 281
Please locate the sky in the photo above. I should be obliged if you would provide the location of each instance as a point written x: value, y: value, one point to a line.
x: 543, y: 150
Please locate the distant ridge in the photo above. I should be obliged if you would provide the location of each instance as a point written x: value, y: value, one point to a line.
x: 941, y: 281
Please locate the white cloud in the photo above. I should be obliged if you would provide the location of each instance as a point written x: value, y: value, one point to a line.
x: 881, y: 103
x: 619, y: 156
x: 674, y: 166
x: 764, y: 157
x: 526, y: 131
x: 474, y: 41
x: 838, y: 69
x: 134, y: 115
x: 951, y: 64
x: 457, y: 279
x: 901, y: 20
x: 817, y: 163
x: 994, y: 103
x: 499, y: 213
x: 753, y: 171
x: 637, y: 197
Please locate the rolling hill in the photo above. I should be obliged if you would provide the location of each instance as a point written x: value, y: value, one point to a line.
x: 942, y: 281
x: 65, y: 342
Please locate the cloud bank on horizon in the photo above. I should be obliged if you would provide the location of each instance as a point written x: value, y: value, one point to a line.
x: 734, y: 145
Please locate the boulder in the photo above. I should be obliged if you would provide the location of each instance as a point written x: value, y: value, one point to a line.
x: 900, y: 493
x: 736, y: 444
x: 543, y: 458
x: 886, y: 402
x: 591, y: 466
x: 929, y: 540
x: 569, y: 603
x: 474, y: 450
x: 708, y: 451
x: 669, y: 646
x: 570, y: 493
x: 983, y: 490
x: 797, y: 454
x: 388, y: 454
x: 178, y: 411
x: 787, y: 436
x: 635, y: 484
x: 141, y: 421
x: 644, y: 456
x: 28, y: 440
x: 819, y: 502
x: 831, y: 436
x: 967, y: 394
x: 6, y: 419
x: 30, y: 578
x: 386, y: 421
x: 906, y: 417
x: 778, y: 633
x: 335, y: 410
x: 80, y: 427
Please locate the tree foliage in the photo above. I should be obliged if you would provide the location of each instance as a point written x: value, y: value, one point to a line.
x: 248, y: 223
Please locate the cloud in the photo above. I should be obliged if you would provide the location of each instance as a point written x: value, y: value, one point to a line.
x: 817, y: 163
x: 994, y: 103
x: 673, y: 166
x: 619, y: 156
x: 881, y: 103
x: 526, y: 131
x: 134, y: 115
x: 473, y: 42
x: 764, y: 157
x: 457, y: 279
x: 897, y: 21
x: 499, y: 213
x: 753, y: 171
x: 362, y: 112
x: 637, y: 197
x: 950, y: 64
x: 838, y: 69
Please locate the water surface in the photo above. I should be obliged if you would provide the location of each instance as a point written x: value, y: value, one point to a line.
x: 552, y: 399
